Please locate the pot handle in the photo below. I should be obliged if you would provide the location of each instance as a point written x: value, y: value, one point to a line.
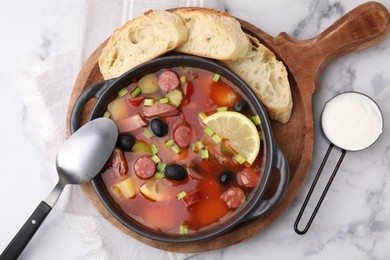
x: 267, y: 205
x: 93, y: 91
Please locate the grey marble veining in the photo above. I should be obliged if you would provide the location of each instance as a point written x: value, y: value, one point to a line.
x: 320, y: 14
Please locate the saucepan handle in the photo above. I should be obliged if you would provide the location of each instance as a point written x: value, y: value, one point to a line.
x: 267, y: 205
x: 93, y: 91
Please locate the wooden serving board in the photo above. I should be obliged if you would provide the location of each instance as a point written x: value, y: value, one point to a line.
x: 363, y: 27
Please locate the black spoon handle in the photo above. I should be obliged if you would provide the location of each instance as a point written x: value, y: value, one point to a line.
x: 23, y: 237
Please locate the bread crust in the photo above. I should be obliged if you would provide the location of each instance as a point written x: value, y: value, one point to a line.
x: 212, y: 34
x: 141, y: 39
x: 267, y: 77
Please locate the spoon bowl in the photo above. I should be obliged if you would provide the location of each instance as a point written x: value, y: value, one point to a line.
x: 84, y: 154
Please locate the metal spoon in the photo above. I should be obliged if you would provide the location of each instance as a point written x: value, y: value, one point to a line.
x: 79, y: 159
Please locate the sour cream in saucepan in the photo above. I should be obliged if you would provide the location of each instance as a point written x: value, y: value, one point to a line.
x: 352, y: 121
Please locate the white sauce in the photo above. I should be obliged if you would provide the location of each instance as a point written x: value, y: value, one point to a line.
x: 352, y: 121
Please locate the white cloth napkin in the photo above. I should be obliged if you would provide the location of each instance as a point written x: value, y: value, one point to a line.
x: 47, y: 91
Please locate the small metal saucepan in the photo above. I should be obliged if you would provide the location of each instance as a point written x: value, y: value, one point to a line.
x: 351, y: 121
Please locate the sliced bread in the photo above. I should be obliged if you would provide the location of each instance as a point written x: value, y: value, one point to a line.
x: 141, y: 40
x: 212, y: 34
x: 267, y: 76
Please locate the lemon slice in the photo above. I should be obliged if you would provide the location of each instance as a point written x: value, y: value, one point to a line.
x: 239, y: 131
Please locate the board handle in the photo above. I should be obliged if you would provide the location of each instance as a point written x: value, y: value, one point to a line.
x: 361, y: 28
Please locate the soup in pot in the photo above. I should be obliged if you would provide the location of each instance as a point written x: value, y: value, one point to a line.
x: 189, y: 150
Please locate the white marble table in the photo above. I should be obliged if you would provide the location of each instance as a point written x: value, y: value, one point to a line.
x: 354, y: 221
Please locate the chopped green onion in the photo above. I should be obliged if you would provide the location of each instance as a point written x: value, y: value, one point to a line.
x: 183, y: 230
x: 205, y: 154
x: 159, y: 175
x: 161, y: 166
x: 155, y: 159
x: 181, y: 195
x: 202, y: 115
x: 169, y: 143
x: 200, y: 144
x: 164, y: 100
x: 154, y: 148
x: 122, y: 92
x: 147, y: 133
x: 239, y: 158
x: 135, y: 92
x: 183, y: 79
x: 208, y: 131
x: 175, y: 149
x: 148, y: 102
x: 221, y: 109
x: 216, y: 77
x: 256, y: 120
x: 260, y: 135
x: 107, y: 114
x: 216, y: 138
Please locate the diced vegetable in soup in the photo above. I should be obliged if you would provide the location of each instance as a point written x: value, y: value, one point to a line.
x: 189, y: 152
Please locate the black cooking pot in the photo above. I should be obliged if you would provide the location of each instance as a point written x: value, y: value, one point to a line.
x: 255, y: 205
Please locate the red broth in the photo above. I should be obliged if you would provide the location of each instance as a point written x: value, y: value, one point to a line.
x: 199, y: 201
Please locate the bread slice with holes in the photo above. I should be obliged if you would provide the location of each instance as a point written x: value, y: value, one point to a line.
x: 268, y: 77
x: 140, y: 40
x: 212, y: 34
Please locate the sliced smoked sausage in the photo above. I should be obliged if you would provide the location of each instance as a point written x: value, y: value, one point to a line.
x: 168, y: 80
x: 144, y: 167
x: 233, y: 197
x: 247, y: 177
x: 182, y: 135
